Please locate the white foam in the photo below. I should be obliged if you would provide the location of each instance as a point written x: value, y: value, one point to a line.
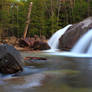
x: 51, y: 50
x: 71, y: 54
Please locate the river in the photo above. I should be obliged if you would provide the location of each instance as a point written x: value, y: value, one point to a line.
x: 56, y: 74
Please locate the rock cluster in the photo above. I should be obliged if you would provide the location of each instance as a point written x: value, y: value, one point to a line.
x: 35, y: 43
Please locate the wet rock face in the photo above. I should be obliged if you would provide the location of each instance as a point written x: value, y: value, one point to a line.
x: 72, y: 35
x: 10, y: 60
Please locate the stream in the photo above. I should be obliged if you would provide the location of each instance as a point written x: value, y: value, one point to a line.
x: 56, y: 74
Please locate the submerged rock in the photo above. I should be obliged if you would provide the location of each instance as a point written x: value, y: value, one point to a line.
x: 35, y: 61
x: 73, y: 34
x: 10, y: 60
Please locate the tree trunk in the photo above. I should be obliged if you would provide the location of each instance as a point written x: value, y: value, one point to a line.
x: 88, y: 8
x: 28, y: 20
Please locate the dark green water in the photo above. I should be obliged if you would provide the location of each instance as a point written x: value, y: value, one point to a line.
x: 56, y: 74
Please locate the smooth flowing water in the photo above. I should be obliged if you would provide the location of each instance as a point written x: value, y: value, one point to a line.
x: 84, y: 45
x: 54, y: 40
x: 57, y: 74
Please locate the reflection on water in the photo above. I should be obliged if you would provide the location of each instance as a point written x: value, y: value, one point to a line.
x: 59, y: 74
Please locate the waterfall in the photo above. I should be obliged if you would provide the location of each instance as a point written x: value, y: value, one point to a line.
x: 83, y: 48
x: 54, y: 40
x: 84, y: 45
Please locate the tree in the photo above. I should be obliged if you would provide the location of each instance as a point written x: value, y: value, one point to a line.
x: 9, y: 17
x: 47, y: 15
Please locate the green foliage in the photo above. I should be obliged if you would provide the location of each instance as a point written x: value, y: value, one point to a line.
x: 47, y: 16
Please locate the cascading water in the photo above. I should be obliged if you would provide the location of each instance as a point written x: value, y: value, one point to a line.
x: 90, y: 49
x: 84, y: 45
x: 53, y: 42
x: 83, y: 48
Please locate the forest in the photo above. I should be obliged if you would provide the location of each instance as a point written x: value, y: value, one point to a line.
x: 47, y: 16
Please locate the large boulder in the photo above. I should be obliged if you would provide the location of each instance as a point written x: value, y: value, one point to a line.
x: 73, y: 34
x: 10, y: 60
x: 40, y: 45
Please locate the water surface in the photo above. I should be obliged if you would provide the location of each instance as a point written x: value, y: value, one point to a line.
x: 56, y: 74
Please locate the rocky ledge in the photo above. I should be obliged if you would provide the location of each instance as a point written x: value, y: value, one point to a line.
x: 73, y: 34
